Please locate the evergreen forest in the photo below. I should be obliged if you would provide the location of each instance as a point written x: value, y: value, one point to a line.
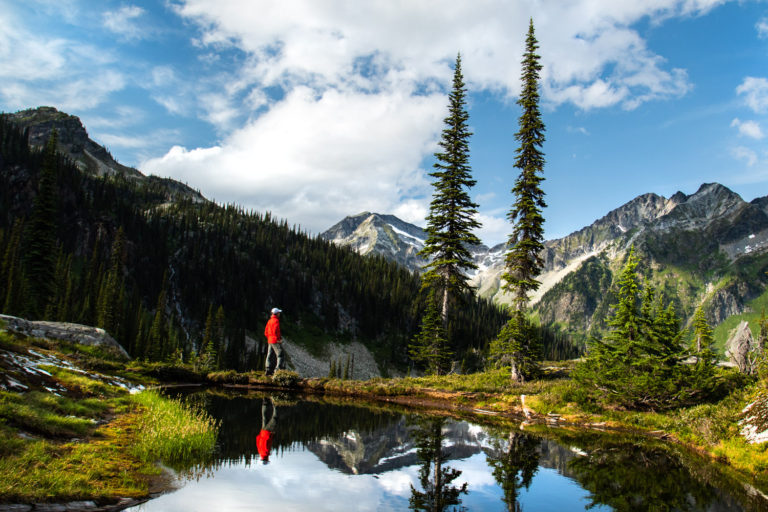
x: 166, y: 274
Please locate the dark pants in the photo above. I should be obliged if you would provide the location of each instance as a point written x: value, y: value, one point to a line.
x: 275, y: 349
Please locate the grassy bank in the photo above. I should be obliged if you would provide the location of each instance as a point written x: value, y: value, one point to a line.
x: 92, y: 439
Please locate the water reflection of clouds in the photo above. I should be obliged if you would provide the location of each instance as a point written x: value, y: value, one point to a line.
x: 294, y: 481
x: 297, y: 480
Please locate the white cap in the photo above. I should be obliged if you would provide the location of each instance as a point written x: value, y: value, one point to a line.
x: 276, y: 311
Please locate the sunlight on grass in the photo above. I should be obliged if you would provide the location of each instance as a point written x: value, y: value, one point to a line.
x: 178, y: 434
x: 43, y: 471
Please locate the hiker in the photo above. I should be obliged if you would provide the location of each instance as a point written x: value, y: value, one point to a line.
x: 268, y: 427
x: 274, y: 342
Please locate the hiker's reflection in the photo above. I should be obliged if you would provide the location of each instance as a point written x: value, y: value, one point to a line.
x: 268, y: 427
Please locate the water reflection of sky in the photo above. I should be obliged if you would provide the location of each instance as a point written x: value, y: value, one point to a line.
x: 297, y: 480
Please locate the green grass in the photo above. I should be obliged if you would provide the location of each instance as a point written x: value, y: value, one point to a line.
x: 40, y: 471
x: 178, y: 434
x: 82, y: 383
x: 47, y: 415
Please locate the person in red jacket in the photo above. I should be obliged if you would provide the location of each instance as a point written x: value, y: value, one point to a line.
x: 274, y: 342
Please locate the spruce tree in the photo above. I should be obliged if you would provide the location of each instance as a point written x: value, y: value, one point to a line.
x: 516, y: 343
x: 524, y: 261
x: 452, y: 213
x: 429, y: 347
x: 638, y: 363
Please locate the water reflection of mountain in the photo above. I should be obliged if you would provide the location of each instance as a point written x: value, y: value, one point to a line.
x: 390, y: 448
x: 619, y: 471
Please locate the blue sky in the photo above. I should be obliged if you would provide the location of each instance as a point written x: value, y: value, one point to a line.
x: 318, y: 110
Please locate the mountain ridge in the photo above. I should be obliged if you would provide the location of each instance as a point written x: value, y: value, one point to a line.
x: 705, y: 238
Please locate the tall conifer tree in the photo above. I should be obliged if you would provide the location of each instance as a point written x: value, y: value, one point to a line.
x: 516, y: 344
x: 451, y: 216
x: 450, y: 223
x: 524, y: 261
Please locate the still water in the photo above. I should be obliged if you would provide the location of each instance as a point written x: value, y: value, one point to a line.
x: 288, y: 453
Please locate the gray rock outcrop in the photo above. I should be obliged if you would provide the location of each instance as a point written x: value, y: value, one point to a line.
x: 740, y: 348
x: 73, y: 333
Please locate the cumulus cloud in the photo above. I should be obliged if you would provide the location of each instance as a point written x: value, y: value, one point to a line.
x: 315, y: 160
x: 748, y: 128
x: 755, y: 92
x: 591, y: 55
x: 362, y: 91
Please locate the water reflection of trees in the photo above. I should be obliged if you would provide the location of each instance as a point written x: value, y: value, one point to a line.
x: 628, y: 476
x: 300, y: 422
x: 434, y: 476
x: 514, y: 464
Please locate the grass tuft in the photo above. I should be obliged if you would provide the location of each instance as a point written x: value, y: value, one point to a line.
x: 179, y: 434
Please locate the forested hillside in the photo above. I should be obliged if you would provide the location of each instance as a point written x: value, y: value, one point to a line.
x: 161, y: 271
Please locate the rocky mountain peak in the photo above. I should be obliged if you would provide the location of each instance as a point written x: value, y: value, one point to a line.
x: 381, y: 234
x: 88, y: 155
x: 73, y: 140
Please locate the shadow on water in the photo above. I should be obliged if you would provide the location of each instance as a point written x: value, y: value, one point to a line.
x: 374, y: 457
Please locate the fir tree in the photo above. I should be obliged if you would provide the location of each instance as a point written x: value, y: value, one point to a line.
x: 516, y: 342
x: 524, y: 261
x: 452, y: 213
x: 638, y: 363
x: 702, y: 347
x: 109, y: 305
x: 429, y: 347
x: 158, y: 333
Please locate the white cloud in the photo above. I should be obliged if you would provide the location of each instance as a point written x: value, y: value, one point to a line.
x: 755, y: 92
x: 495, y: 227
x: 125, y: 22
x: 591, y: 55
x: 743, y: 153
x: 40, y: 70
x: 314, y: 160
x: 361, y: 91
x: 762, y: 28
x: 748, y: 128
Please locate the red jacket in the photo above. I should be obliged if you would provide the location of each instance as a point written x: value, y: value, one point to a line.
x: 272, y: 330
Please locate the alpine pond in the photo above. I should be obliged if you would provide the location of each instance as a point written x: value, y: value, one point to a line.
x: 287, y: 452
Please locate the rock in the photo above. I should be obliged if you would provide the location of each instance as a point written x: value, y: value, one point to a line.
x: 306, y: 365
x: 740, y: 348
x: 75, y: 333
x: 50, y: 507
x: 81, y: 505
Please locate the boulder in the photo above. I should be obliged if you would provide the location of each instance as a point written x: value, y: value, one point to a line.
x: 74, y: 333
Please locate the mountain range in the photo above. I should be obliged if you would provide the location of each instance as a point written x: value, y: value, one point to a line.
x: 709, y: 248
